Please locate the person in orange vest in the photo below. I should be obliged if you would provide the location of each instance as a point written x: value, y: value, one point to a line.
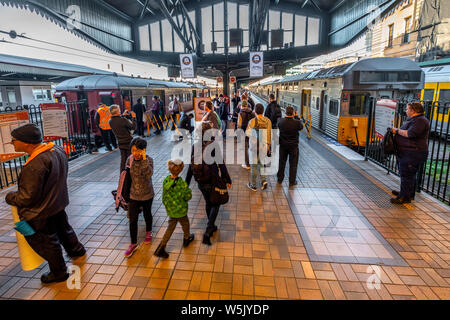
x: 102, y: 120
x: 69, y: 148
x: 127, y: 103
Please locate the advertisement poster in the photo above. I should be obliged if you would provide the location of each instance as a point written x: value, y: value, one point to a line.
x: 8, y: 122
x: 199, y: 107
x: 256, y: 64
x: 54, y: 121
x: 384, y: 116
x: 187, y: 65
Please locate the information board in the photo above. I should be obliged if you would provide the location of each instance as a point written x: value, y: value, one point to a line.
x: 384, y: 116
x: 8, y: 122
x: 54, y: 121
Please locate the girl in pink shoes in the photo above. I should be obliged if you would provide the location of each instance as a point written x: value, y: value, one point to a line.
x: 141, y: 192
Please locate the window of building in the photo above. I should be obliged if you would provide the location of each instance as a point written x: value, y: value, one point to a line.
x: 167, y: 35
x: 391, y: 36
x: 144, y: 40
x: 155, y: 35
x: 407, y: 30
x: 313, y: 31
x: 243, y: 22
x: 11, y: 96
x: 359, y: 104
x: 206, y: 28
x: 300, y: 27
x: 333, y: 108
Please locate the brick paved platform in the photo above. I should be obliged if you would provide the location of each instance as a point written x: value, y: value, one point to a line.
x: 322, y: 239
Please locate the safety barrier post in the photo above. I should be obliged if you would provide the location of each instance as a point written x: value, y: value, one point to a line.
x: 369, y: 126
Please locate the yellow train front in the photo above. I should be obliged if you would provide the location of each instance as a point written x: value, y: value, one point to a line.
x: 337, y: 100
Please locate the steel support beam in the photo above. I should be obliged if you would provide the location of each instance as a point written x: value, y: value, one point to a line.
x: 258, y: 14
x: 143, y: 10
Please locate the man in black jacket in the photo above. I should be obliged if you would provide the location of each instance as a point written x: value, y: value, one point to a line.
x: 122, y: 126
x: 223, y: 114
x: 139, y: 110
x: 289, y: 136
x: 273, y: 111
x: 41, y: 199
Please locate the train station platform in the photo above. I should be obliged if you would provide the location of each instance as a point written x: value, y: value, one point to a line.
x: 332, y: 236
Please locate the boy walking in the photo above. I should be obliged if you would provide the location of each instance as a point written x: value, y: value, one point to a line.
x: 176, y: 194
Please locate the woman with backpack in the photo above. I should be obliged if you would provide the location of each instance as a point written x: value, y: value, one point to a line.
x: 141, y: 191
x: 209, y: 177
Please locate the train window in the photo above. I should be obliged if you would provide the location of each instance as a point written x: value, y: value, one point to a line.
x: 359, y: 104
x: 107, y: 100
x: 444, y: 95
x: 333, y: 107
x: 428, y: 94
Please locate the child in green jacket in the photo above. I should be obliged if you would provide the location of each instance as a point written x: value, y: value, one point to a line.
x: 176, y: 194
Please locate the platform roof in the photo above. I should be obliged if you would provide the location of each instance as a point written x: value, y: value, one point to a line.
x: 21, y: 68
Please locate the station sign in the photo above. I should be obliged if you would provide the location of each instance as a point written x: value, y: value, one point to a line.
x: 54, y: 121
x: 384, y: 116
x: 219, y: 79
x: 8, y: 122
x: 232, y: 79
x: 256, y: 64
x: 199, y: 107
x: 186, y: 65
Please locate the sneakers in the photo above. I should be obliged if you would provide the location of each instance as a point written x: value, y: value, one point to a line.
x: 148, y: 237
x: 131, y: 249
x: 161, y: 252
x: 245, y: 166
x: 187, y: 241
x: 264, y: 185
x: 251, y: 187
x: 50, y: 277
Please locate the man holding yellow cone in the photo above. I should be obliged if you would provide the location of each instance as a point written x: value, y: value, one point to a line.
x: 41, y: 198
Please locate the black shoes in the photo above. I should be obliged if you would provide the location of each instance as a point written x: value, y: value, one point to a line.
x: 215, y: 229
x: 400, y: 200
x: 397, y: 193
x: 161, y: 252
x: 188, y: 240
x: 77, y: 254
x: 264, y: 185
x: 50, y: 277
x: 206, y: 240
x: 291, y: 184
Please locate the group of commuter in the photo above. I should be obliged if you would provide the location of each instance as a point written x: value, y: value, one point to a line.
x: 42, y: 194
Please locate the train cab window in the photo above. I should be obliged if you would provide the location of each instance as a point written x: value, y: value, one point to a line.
x: 444, y: 96
x: 333, y: 107
x: 359, y: 104
x: 428, y: 94
x: 107, y: 100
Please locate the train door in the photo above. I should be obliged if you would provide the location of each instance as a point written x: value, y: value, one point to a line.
x: 306, y: 104
x: 277, y: 96
x: 322, y: 110
x: 443, y: 99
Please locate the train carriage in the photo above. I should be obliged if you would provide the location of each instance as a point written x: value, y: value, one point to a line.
x: 337, y: 99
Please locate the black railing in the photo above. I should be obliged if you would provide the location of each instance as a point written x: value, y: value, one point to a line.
x: 433, y: 177
x: 77, y: 143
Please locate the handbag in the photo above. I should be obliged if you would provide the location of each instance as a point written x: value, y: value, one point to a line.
x: 219, y: 192
x: 122, y: 194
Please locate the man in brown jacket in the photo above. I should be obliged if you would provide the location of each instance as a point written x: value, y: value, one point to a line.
x: 41, y: 198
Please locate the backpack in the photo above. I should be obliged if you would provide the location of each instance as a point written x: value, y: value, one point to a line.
x: 388, y: 143
x: 200, y: 171
x: 122, y: 194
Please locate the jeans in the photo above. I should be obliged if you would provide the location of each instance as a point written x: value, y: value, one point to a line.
x: 108, y: 138
x: 211, y: 210
x: 133, y: 213
x: 409, y: 163
x: 140, y: 127
x: 255, y: 171
x: 124, y: 154
x: 224, y: 127
x: 292, y: 153
x: 50, y: 234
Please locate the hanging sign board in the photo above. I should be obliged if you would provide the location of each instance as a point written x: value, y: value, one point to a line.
x: 199, y: 107
x: 219, y: 79
x: 187, y: 65
x: 8, y: 122
x: 256, y: 64
x: 384, y: 116
x: 54, y: 121
x: 232, y: 79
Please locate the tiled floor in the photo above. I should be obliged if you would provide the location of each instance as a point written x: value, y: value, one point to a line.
x: 326, y: 238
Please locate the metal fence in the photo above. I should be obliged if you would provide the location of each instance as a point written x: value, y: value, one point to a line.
x: 77, y: 143
x: 433, y: 177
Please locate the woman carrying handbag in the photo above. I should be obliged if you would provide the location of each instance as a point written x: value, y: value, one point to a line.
x: 213, y: 181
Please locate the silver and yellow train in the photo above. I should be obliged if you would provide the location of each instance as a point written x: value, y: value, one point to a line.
x: 337, y: 100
